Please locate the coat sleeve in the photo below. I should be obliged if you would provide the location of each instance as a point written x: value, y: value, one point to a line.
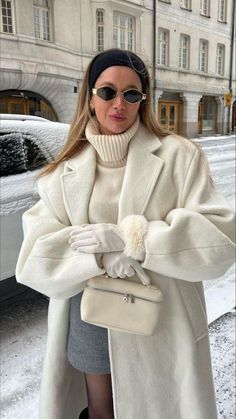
x: 195, y: 241
x: 46, y: 262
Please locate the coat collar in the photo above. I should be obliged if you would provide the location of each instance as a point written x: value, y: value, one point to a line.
x: 141, y: 174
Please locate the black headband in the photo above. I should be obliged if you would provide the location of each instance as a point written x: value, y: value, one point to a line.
x: 113, y: 57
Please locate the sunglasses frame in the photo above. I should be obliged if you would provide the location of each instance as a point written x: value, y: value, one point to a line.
x: 144, y: 96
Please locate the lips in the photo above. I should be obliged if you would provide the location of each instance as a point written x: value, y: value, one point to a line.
x: 117, y: 118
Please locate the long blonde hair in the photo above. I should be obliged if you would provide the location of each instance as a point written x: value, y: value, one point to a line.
x: 76, y: 141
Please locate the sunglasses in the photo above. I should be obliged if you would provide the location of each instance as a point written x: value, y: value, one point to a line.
x: 130, y: 96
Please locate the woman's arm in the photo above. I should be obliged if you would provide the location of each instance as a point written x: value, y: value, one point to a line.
x: 46, y: 262
x: 194, y: 242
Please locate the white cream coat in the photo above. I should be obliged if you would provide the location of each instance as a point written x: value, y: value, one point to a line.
x: 189, y: 239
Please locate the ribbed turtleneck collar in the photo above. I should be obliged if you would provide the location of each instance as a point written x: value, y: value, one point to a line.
x: 111, y: 149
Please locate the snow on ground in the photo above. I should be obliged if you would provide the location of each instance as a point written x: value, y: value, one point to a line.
x: 23, y: 335
x: 222, y: 339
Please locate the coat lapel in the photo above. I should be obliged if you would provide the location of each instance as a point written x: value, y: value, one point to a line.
x: 77, y: 184
x: 142, y: 171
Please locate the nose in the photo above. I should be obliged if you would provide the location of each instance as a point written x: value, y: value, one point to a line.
x: 118, y: 102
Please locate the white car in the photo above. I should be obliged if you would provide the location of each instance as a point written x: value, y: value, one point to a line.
x: 26, y: 145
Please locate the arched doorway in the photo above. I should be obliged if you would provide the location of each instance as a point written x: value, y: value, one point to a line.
x: 26, y: 103
x: 207, y: 115
x: 234, y: 117
x: 170, y: 112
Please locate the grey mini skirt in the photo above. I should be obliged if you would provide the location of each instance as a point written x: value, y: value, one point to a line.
x: 87, y: 346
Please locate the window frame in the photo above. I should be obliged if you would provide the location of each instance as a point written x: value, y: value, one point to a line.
x: 206, y: 43
x: 121, y: 34
x: 163, y: 43
x: 181, y: 51
x: 206, y: 12
x: 100, y: 30
x: 185, y: 6
x: 12, y: 8
x: 42, y: 15
x: 222, y: 56
x: 224, y: 8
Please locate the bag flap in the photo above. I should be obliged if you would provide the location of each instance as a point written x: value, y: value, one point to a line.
x: 125, y: 286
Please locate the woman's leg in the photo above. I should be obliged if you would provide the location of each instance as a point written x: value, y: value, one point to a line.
x: 99, y: 392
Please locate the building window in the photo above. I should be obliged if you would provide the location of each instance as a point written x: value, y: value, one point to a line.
x: 220, y: 59
x: 203, y: 56
x: 186, y: 4
x: 207, y: 114
x: 41, y: 19
x: 205, y: 7
x: 165, y: 1
x: 7, y: 16
x: 100, y: 29
x: 184, y: 51
x: 123, y: 31
x: 163, y: 46
x: 222, y: 10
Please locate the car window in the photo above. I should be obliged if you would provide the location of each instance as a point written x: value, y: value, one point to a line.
x: 19, y: 153
x: 35, y: 157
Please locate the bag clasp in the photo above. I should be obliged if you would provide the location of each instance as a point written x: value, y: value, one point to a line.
x: 129, y: 297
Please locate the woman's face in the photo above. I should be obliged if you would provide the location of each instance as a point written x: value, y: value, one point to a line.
x: 116, y: 116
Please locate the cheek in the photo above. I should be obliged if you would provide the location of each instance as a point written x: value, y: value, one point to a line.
x: 134, y: 110
x: 100, y: 106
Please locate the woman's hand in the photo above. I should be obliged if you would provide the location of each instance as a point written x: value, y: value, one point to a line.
x: 97, y: 238
x: 118, y: 265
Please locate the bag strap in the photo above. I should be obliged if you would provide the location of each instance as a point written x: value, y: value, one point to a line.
x: 142, y: 275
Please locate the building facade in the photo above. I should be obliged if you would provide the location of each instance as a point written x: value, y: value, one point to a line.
x: 187, y: 45
x: 193, y: 65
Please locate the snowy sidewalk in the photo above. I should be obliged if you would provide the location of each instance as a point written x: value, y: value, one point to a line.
x: 222, y: 338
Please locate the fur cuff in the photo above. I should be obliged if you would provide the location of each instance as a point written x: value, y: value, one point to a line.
x: 133, y: 229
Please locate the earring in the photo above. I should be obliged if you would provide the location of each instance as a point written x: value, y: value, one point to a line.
x: 91, y: 107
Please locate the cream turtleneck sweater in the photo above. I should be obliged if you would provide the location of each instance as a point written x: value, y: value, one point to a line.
x: 112, y: 153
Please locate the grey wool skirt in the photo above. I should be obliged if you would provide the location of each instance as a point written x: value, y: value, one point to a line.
x: 87, y: 347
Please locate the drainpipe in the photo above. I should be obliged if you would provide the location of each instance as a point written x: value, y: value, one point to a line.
x: 154, y: 57
x: 231, y: 59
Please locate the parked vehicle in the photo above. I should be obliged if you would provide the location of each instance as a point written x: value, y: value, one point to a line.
x: 19, y: 117
x: 26, y: 145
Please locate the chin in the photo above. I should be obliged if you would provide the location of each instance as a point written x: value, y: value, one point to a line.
x: 118, y: 128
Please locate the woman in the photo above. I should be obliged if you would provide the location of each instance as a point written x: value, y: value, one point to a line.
x: 119, y: 168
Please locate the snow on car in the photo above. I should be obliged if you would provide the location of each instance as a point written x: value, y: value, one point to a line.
x: 26, y: 145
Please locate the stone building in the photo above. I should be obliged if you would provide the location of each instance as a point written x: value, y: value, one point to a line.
x: 47, y: 44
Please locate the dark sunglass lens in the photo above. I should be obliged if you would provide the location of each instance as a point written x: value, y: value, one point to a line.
x: 106, y: 93
x: 133, y: 96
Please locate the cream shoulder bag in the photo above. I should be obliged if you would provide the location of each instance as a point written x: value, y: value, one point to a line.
x: 121, y: 305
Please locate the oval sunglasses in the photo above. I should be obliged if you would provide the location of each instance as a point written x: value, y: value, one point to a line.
x: 108, y: 93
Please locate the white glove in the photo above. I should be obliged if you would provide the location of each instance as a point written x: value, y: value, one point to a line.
x: 97, y: 238
x: 118, y: 265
